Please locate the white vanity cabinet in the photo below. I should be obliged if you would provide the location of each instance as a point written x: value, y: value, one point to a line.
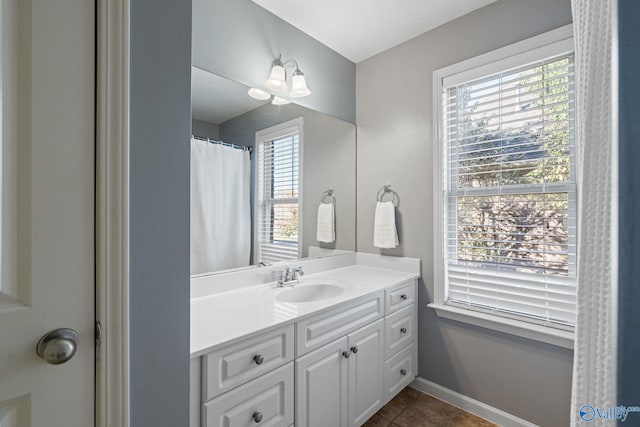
x: 341, y: 383
x: 334, y: 368
x: 249, y: 382
x: 401, y: 338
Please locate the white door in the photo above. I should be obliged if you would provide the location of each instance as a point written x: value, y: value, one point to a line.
x: 365, y: 372
x: 321, y: 384
x: 47, y: 208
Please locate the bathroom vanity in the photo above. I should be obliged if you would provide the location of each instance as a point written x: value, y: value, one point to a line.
x: 330, y: 351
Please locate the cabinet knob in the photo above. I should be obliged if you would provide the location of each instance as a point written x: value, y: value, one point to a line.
x: 354, y: 349
x: 257, y: 416
x: 346, y: 354
x: 258, y: 359
x: 403, y: 330
x: 403, y: 296
x: 403, y: 371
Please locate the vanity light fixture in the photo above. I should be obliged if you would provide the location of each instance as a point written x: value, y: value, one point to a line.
x: 258, y: 94
x: 279, y: 101
x: 277, y: 80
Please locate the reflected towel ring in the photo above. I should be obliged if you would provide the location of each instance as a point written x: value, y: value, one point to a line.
x: 395, y: 198
x: 328, y: 193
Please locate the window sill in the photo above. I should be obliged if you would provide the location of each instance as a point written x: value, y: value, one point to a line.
x: 531, y: 331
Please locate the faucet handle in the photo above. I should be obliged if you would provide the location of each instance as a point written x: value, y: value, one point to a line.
x: 299, y: 271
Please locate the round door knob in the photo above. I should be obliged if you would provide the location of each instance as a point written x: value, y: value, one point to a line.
x: 258, y: 359
x: 257, y: 416
x: 58, y: 346
x: 403, y: 330
x: 403, y: 296
x: 346, y: 354
x: 403, y: 371
x: 354, y: 349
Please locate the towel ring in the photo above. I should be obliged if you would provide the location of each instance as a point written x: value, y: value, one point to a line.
x: 328, y: 193
x: 395, y: 199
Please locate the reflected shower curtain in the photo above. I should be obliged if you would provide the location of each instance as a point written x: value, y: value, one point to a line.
x: 595, y: 349
x: 220, y: 207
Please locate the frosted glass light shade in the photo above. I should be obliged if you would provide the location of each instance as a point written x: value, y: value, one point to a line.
x: 299, y: 85
x: 258, y: 94
x: 279, y: 101
x: 277, y: 78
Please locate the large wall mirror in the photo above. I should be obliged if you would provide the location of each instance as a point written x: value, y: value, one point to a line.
x: 261, y: 176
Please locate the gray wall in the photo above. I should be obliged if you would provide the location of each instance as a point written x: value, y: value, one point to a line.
x: 394, y: 116
x: 206, y: 129
x: 238, y: 39
x: 160, y: 121
x: 329, y: 159
x: 629, y: 244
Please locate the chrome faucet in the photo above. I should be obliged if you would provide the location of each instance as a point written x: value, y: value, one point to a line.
x: 288, y: 277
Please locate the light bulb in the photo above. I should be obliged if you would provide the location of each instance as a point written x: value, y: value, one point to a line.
x: 258, y: 94
x: 279, y: 101
x: 299, y: 85
x: 277, y: 79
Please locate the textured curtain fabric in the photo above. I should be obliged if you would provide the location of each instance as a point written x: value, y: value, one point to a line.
x: 594, y: 369
x: 220, y: 207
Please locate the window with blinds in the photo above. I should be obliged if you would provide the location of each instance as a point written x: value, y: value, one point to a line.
x: 509, y: 195
x: 278, y: 232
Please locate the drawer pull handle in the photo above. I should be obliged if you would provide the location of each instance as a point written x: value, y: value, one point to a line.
x: 354, y: 349
x: 403, y: 371
x: 403, y: 296
x: 403, y: 330
x: 346, y: 354
x: 257, y: 417
x: 258, y: 359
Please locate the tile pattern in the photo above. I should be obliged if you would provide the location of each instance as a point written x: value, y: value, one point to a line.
x: 411, y: 408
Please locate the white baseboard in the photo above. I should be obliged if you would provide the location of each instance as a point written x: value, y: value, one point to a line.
x: 473, y: 406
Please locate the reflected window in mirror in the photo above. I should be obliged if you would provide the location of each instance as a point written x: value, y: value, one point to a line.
x: 278, y: 232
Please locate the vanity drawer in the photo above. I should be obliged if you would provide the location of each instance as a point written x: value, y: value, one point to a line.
x: 266, y: 401
x: 238, y: 363
x: 400, y: 330
x: 400, y: 296
x: 399, y: 371
x: 318, y: 330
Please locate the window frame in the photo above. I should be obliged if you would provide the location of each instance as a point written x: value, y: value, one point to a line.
x: 556, y: 42
x: 291, y: 127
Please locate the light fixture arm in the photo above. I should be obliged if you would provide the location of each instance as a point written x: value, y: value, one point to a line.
x: 291, y: 63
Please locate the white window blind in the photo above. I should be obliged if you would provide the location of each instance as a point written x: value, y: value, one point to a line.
x: 510, y: 193
x: 278, y: 188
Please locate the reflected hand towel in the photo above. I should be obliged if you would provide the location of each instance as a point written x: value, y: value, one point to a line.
x: 326, y: 232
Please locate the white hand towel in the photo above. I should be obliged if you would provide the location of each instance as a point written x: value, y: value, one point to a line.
x: 326, y: 231
x: 385, y: 235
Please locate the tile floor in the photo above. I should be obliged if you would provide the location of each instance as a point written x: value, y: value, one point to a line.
x: 411, y: 408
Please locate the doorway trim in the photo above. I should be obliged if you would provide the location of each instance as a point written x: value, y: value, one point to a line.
x: 112, y: 213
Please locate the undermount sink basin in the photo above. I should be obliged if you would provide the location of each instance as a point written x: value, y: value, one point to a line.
x: 309, y: 293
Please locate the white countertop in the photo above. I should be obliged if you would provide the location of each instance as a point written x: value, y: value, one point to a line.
x: 228, y: 316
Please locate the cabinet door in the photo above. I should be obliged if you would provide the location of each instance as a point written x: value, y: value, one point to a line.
x: 366, y: 372
x: 321, y: 384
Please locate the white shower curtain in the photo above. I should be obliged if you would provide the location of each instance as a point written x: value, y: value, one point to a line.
x: 220, y: 207
x: 595, y: 350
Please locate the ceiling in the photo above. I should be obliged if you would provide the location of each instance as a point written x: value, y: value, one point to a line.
x: 359, y: 29
x: 215, y: 99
